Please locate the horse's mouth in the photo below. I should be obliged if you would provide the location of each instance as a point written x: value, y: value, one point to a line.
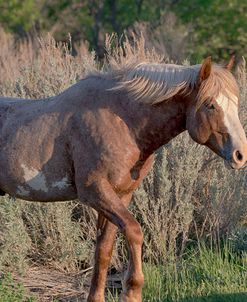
x: 231, y: 165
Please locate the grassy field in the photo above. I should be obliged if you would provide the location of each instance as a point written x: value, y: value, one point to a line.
x: 202, y: 275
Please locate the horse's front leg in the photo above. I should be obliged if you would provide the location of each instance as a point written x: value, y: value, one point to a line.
x: 103, y: 199
x: 106, y: 233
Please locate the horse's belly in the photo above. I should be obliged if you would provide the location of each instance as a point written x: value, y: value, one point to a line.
x: 37, y: 189
x: 30, y: 183
x: 40, y: 189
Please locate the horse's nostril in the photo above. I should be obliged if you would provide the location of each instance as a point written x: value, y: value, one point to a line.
x: 239, y: 156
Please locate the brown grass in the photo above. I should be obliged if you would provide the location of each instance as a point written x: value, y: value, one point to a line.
x: 49, y: 285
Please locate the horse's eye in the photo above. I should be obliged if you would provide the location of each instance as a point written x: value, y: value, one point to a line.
x: 211, y: 106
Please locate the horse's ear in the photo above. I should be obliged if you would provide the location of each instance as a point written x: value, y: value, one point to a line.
x: 231, y: 62
x: 205, y: 69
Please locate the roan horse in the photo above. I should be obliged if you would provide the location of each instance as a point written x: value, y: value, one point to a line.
x: 96, y: 142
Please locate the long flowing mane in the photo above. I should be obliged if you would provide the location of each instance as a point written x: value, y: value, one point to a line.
x: 154, y: 83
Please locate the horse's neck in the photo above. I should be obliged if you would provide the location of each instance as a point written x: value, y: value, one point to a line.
x: 160, y: 125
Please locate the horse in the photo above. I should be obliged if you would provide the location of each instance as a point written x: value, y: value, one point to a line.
x: 96, y: 142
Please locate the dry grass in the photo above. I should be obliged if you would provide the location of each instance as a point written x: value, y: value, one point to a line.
x: 52, y: 285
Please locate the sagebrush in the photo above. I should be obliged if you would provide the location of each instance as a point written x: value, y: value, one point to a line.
x: 189, y: 194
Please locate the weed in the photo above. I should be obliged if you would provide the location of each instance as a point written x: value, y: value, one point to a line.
x: 12, y: 292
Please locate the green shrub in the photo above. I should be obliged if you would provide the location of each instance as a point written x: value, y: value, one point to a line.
x: 12, y: 292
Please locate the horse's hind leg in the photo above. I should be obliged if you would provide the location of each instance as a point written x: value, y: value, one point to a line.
x: 105, y: 201
x: 106, y: 233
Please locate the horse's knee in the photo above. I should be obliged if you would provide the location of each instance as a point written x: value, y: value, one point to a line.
x: 134, y: 233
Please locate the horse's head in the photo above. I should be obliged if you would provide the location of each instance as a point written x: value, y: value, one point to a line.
x: 212, y: 119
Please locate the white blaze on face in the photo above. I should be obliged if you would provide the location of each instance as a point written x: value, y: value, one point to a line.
x: 34, y: 178
x: 229, y: 106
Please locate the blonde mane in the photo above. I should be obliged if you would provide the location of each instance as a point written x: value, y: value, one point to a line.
x: 220, y: 81
x: 154, y: 83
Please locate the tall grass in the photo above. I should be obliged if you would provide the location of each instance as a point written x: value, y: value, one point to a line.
x: 207, y: 274
x: 203, y: 275
x: 188, y: 194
